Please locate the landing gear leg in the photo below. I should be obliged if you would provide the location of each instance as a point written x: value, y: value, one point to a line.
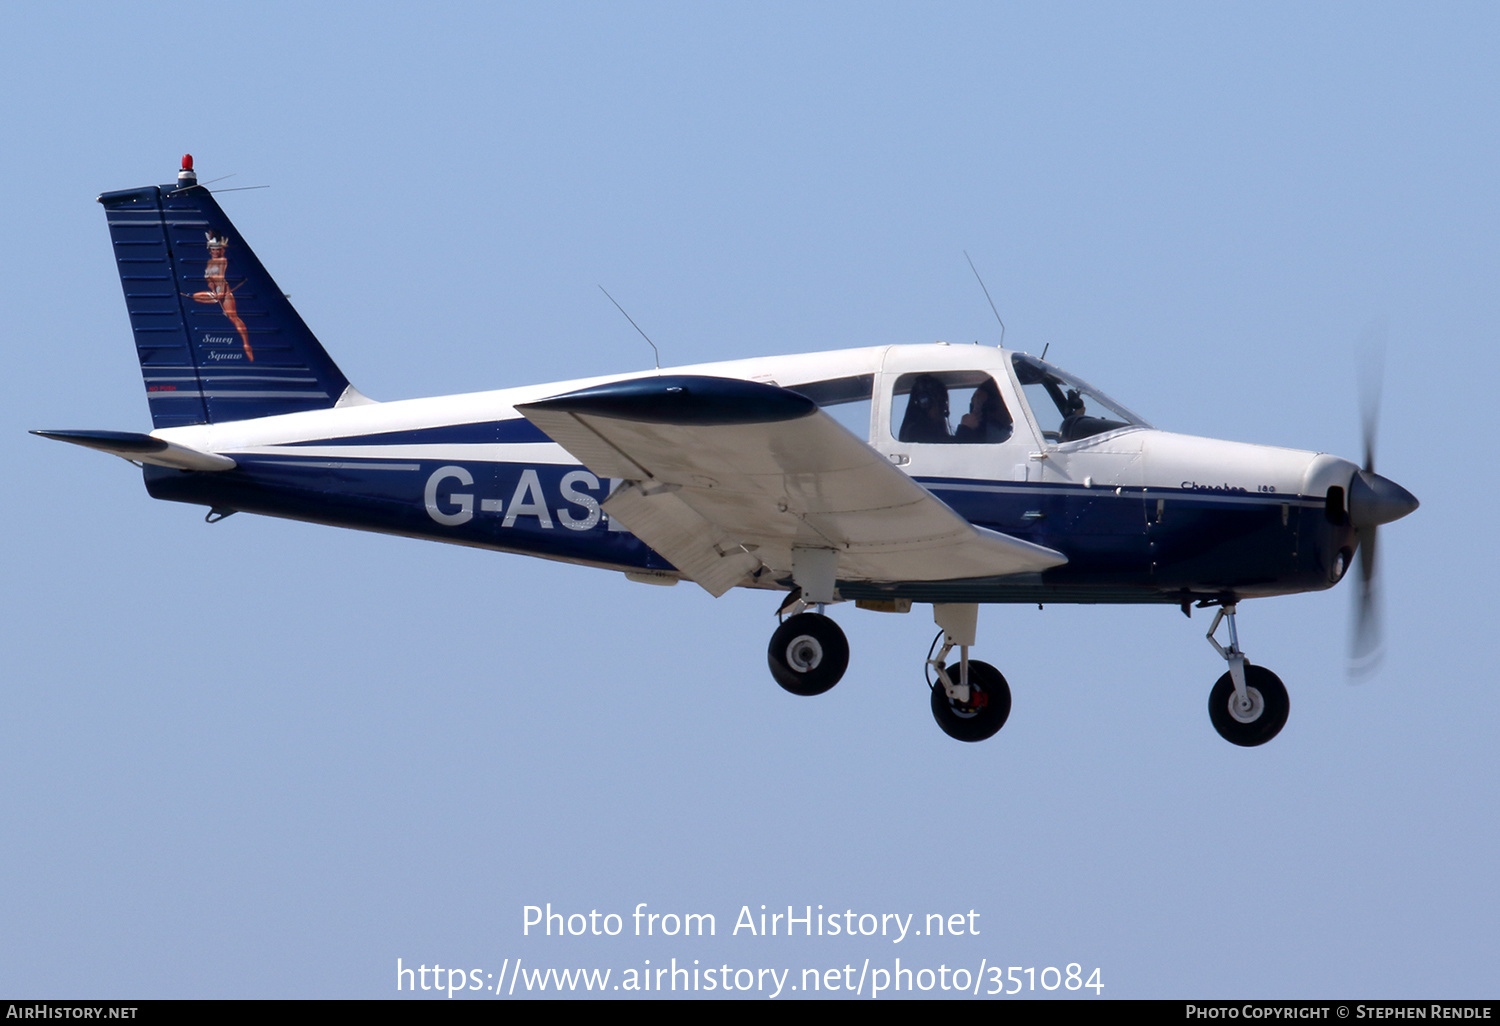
x: 808, y: 654
x: 971, y: 699
x: 1249, y: 704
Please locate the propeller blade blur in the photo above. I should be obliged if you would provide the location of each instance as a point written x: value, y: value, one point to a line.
x: 1366, y: 646
x: 1373, y: 500
x: 1370, y: 355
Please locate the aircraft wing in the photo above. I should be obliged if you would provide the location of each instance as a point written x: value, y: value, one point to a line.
x: 723, y: 475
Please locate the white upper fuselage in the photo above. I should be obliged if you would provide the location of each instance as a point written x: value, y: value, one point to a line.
x: 1130, y: 457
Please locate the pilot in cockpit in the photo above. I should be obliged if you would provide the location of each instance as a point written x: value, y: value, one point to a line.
x: 1074, y: 413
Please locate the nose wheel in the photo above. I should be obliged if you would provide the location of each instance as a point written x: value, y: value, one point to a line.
x: 808, y: 654
x: 1249, y: 704
x: 1254, y: 719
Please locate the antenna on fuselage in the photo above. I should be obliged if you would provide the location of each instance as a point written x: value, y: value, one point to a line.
x: 634, y: 325
x: 986, y: 296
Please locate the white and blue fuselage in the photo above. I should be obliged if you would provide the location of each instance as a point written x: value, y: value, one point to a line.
x: 1142, y: 515
x: 951, y: 475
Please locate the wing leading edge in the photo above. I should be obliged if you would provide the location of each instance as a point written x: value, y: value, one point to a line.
x: 722, y: 476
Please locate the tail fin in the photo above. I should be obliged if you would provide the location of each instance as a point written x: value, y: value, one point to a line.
x: 217, y: 340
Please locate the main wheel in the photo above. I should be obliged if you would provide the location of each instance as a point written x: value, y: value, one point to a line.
x: 1257, y: 722
x: 985, y: 712
x: 808, y: 654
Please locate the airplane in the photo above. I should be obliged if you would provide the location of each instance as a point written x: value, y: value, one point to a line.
x: 822, y: 477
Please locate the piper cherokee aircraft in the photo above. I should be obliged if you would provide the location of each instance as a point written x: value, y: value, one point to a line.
x: 950, y: 475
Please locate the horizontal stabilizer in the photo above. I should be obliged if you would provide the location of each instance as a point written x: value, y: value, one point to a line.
x: 139, y: 448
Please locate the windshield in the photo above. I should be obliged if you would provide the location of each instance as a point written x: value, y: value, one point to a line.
x: 1068, y: 408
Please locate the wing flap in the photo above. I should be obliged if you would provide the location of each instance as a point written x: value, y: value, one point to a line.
x: 701, y: 550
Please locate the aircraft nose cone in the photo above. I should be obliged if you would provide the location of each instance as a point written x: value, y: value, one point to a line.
x: 1377, y: 500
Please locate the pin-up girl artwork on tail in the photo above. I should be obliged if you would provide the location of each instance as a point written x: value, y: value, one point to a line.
x: 218, y: 288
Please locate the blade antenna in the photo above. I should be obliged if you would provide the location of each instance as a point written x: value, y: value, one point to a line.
x: 203, y: 185
x: 634, y: 325
x: 986, y: 296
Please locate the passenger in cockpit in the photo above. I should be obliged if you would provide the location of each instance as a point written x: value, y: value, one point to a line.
x: 987, y: 420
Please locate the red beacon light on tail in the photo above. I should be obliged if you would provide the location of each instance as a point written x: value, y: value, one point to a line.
x: 187, y: 177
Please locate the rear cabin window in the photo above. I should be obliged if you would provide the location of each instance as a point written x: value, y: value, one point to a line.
x: 949, y: 408
x: 846, y: 400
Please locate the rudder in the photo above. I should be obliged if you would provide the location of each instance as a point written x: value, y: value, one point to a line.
x: 217, y: 340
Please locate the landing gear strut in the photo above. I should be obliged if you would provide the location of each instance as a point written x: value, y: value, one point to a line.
x: 809, y: 652
x: 983, y: 713
x: 970, y: 699
x: 1249, y: 704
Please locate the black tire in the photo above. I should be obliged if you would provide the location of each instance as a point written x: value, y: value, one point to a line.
x: 1270, y: 706
x: 988, y: 708
x: 808, y: 654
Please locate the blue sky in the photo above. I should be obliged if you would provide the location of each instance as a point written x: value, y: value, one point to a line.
x: 267, y: 759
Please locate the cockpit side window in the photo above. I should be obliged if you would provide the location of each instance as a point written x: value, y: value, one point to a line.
x: 924, y: 405
x: 1067, y: 408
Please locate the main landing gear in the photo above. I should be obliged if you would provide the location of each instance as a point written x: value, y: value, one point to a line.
x: 808, y: 652
x: 970, y: 699
x: 808, y: 655
x: 1249, y: 704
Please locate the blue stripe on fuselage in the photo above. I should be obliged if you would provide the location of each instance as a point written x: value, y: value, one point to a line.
x: 538, y: 509
x: 1115, y: 542
x: 483, y: 432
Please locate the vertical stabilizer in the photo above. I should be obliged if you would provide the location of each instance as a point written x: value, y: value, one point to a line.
x: 217, y: 340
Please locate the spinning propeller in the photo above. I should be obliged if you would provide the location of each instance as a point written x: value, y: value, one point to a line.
x: 1373, y: 500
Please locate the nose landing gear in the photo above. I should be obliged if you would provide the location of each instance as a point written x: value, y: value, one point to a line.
x: 1249, y: 704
